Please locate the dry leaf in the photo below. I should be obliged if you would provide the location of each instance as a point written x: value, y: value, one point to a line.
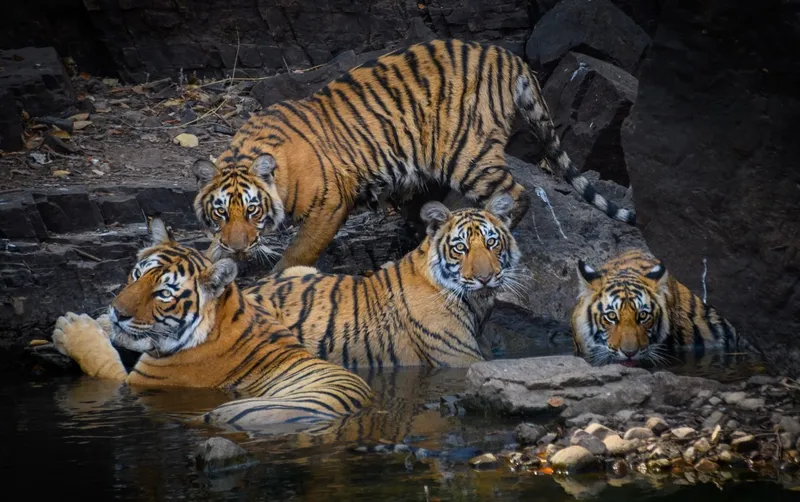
x: 98, y: 172
x: 111, y: 82
x: 60, y: 173
x: 556, y: 402
x: 58, y: 133
x: 85, y: 75
x: 186, y: 140
x: 138, y: 89
x: 81, y: 124
x: 172, y: 102
x: 34, y: 343
x: 79, y: 117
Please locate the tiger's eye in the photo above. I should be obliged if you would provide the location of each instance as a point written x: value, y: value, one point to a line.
x: 491, y: 242
x: 219, y: 212
x: 643, y: 316
x: 611, y: 317
x: 461, y: 248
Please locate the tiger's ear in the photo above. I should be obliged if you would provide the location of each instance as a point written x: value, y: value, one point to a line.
x: 434, y: 214
x: 501, y: 206
x: 159, y: 233
x: 659, y: 275
x: 204, y: 171
x: 263, y: 167
x: 219, y: 276
x: 588, y: 277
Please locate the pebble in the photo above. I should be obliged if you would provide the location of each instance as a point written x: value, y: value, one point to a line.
x: 716, y: 433
x: 732, y: 424
x: 713, y: 420
x: 714, y: 401
x: 657, y: 425
x: 690, y: 455
x: 639, y: 433
x: 624, y: 415
x: 617, y: 446
x: 702, y: 445
x: 759, y: 380
x: 790, y: 424
x: 751, y: 404
x: 588, y: 441
x: 734, y: 397
x: 220, y: 454
x: 551, y: 450
x: 573, y: 459
x: 658, y: 464
x: 786, y: 440
x: 547, y: 439
x: 744, y: 444
x: 706, y: 465
x: 529, y: 433
x: 584, y: 419
x: 599, y: 431
x: 485, y: 461
x: 704, y: 394
x: 683, y: 432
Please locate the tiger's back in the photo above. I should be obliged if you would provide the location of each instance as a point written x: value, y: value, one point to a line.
x: 632, y: 308
x: 439, y: 111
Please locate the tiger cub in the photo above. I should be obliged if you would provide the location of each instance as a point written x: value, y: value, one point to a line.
x: 195, y: 328
x: 440, y: 111
x: 426, y: 309
x: 631, y: 309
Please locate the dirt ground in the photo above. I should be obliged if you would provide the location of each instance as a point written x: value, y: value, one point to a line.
x: 121, y: 134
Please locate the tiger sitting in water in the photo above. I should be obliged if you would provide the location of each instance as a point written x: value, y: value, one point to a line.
x: 440, y: 111
x: 426, y: 309
x: 196, y: 329
x: 631, y: 309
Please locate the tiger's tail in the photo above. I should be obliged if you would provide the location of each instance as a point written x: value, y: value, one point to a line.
x: 530, y: 103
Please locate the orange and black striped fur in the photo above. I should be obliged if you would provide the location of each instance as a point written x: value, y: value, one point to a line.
x: 426, y: 309
x: 196, y: 329
x: 632, y: 309
x: 440, y: 111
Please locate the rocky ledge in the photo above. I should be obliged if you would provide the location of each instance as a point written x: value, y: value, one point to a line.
x: 625, y: 420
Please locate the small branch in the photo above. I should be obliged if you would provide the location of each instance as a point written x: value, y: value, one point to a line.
x: 235, y: 59
x: 86, y: 255
x: 156, y: 83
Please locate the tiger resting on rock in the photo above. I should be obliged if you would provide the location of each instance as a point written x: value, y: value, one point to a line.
x: 439, y: 111
x: 426, y: 309
x: 632, y: 309
x: 197, y: 329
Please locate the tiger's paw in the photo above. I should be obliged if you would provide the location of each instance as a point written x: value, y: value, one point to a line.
x: 85, y: 340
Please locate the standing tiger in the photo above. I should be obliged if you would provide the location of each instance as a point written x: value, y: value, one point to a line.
x: 426, y: 309
x: 440, y: 111
x: 196, y: 329
x: 631, y: 309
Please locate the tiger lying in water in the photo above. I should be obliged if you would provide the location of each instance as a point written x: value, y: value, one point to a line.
x: 197, y: 329
x: 631, y: 309
x: 440, y: 111
x: 428, y: 308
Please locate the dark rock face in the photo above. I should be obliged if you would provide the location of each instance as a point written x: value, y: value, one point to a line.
x: 590, y: 99
x: 36, y: 79
x: 598, y: 28
x: 712, y: 155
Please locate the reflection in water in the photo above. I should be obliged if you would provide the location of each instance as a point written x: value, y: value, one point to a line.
x: 91, y: 438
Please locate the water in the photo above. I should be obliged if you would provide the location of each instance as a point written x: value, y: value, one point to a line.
x: 77, y: 436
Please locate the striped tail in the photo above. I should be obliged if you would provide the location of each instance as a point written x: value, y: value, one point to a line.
x: 530, y: 102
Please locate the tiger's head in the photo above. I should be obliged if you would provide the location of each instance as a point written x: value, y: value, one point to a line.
x: 472, y: 250
x: 237, y: 204
x: 621, y: 314
x: 170, y: 301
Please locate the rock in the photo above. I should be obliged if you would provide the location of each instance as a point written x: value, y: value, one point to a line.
x: 617, y: 446
x: 786, y: 440
x: 584, y: 419
x: 219, y: 454
x: 790, y: 424
x: 10, y: 123
x: 625, y: 415
x: 702, y: 446
x: 731, y: 424
x: 37, y: 80
x: 760, y: 380
x: 657, y: 425
x: 589, y: 99
x: 573, y: 459
x: 588, y: 441
x: 186, y: 140
x: 599, y: 431
x: 547, y: 439
x: 716, y: 434
x: 658, y: 464
x: 744, y: 444
x: 523, y: 386
x: 683, y: 432
x: 598, y: 27
x: 714, y: 401
x: 551, y: 450
x: 733, y: 397
x: 68, y: 210
x: 691, y: 150
x: 19, y: 217
x: 690, y: 455
x: 639, y: 433
x: 714, y: 419
x: 485, y: 461
x: 706, y: 465
x: 751, y: 404
x: 529, y: 433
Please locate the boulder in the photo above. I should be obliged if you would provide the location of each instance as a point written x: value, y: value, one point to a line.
x: 598, y: 28
x: 218, y: 454
x: 524, y: 386
x: 589, y: 100
x: 711, y: 160
x: 573, y: 459
x: 35, y: 78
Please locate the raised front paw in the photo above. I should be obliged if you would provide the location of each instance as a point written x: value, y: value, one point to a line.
x: 84, y: 340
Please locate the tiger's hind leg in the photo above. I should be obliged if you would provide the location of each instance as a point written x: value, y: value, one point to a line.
x: 316, y: 231
x: 86, y: 341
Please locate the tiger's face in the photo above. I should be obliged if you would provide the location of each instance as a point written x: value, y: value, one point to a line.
x: 621, y: 315
x: 169, y: 303
x: 237, y: 205
x: 472, y: 250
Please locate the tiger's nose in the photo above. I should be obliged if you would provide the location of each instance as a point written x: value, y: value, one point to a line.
x: 484, y: 278
x: 630, y: 353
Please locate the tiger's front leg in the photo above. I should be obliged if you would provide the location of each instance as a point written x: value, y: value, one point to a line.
x: 87, y: 342
x: 316, y: 232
